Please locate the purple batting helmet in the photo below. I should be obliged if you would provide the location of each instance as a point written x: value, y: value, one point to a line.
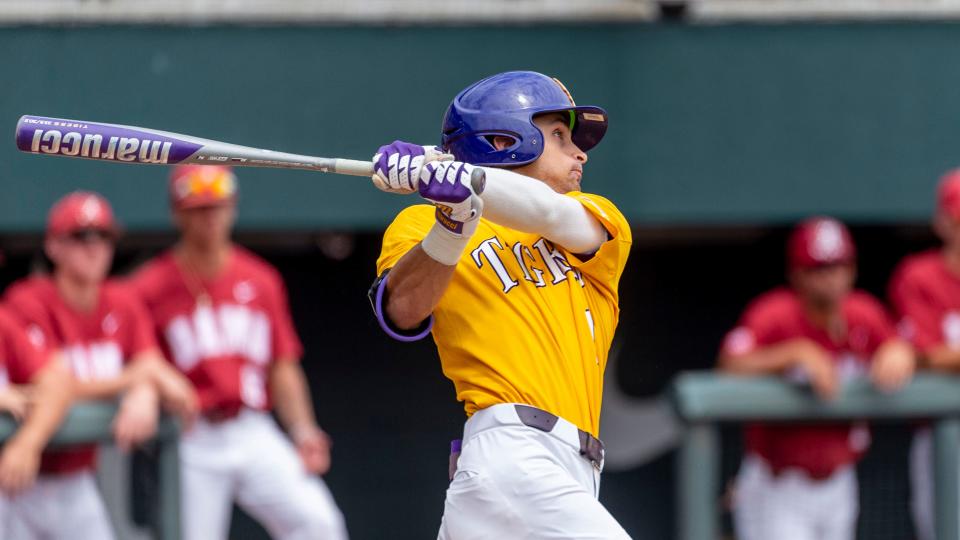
x: 505, y: 105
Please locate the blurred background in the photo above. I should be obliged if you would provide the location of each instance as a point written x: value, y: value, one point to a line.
x: 729, y: 120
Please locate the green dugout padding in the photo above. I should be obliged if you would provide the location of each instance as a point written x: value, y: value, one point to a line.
x: 92, y: 422
x: 704, y: 399
x: 733, y: 124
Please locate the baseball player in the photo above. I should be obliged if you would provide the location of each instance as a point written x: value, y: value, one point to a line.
x: 521, y: 300
x: 223, y: 319
x: 925, y: 292
x: 36, y: 389
x: 797, y: 482
x: 107, y: 342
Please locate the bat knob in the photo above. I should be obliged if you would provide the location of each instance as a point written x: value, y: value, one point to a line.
x: 478, y: 180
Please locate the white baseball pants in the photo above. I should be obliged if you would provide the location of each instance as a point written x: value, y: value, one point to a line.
x: 793, y: 506
x: 248, y: 459
x: 58, y: 507
x: 921, y: 483
x: 514, y: 481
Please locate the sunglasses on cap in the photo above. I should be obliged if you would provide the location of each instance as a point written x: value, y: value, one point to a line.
x: 219, y: 185
x: 90, y: 236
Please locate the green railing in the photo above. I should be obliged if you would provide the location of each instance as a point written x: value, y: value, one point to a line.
x: 704, y: 399
x: 91, y: 423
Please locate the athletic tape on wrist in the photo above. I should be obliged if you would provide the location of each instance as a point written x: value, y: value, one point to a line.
x: 377, y: 296
x: 444, y: 246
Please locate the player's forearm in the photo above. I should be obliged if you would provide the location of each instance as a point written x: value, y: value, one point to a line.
x: 102, y: 389
x: 942, y: 358
x: 765, y: 360
x: 53, y: 394
x: 414, y: 288
x: 291, y: 396
x: 528, y: 205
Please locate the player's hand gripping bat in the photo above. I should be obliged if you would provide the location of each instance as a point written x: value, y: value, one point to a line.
x: 131, y: 144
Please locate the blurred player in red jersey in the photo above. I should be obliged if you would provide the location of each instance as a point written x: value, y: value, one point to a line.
x: 224, y: 320
x: 36, y: 389
x: 925, y: 291
x: 107, y: 342
x: 797, y: 482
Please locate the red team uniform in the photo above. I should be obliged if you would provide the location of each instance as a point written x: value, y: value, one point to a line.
x: 95, y: 345
x: 223, y: 334
x: 20, y: 358
x: 926, y: 297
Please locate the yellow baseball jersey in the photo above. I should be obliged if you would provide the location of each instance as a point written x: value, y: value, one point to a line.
x: 524, y: 320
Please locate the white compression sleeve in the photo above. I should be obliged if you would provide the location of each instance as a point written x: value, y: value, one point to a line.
x: 527, y: 204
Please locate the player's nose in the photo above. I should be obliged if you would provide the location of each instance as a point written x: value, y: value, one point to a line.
x: 579, y: 154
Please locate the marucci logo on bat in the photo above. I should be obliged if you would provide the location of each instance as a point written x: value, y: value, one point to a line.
x: 93, y: 145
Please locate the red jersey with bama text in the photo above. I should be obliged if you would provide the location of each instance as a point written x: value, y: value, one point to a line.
x: 96, y: 345
x: 223, y: 333
x: 777, y: 317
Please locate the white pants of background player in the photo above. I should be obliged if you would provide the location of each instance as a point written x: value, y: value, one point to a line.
x: 921, y: 484
x: 793, y: 506
x: 249, y: 460
x: 57, y: 507
x: 515, y: 481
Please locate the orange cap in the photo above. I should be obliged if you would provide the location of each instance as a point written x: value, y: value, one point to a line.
x: 202, y: 185
x: 81, y: 210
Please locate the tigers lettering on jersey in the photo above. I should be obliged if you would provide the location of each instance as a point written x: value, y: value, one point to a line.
x: 487, y: 254
x: 217, y: 331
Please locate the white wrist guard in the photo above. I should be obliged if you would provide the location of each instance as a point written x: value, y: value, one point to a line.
x: 444, y: 246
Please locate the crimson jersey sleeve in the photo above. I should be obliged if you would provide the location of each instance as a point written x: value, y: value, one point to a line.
x: 759, y: 326
x: 916, y: 307
x: 28, y: 310
x: 286, y: 343
x: 869, y: 313
x: 23, y: 357
x: 139, y: 335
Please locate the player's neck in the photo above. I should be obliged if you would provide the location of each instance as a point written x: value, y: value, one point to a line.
x: 826, y: 317
x: 80, y: 295
x: 206, y: 261
x: 951, y: 254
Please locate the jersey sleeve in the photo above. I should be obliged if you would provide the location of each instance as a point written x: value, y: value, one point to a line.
x: 876, y: 319
x: 607, y: 264
x: 24, y: 357
x: 140, y: 335
x: 406, y: 231
x: 285, y: 341
x: 759, y: 326
x: 916, y: 310
x: 30, y: 313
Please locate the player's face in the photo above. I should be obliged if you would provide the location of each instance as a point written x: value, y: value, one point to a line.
x: 560, y: 166
x: 207, y: 226
x: 825, y: 286
x: 84, y: 255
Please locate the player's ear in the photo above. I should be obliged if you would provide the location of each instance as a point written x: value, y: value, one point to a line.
x: 501, y: 142
x: 51, y: 248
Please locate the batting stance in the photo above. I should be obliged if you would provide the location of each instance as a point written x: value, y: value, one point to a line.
x: 522, y: 302
x: 107, y: 341
x: 223, y: 319
x: 36, y: 389
x: 925, y: 292
x: 798, y: 482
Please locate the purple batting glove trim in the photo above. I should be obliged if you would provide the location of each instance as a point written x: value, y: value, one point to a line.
x: 446, y: 222
x: 385, y: 325
x: 456, y: 445
x: 438, y: 189
x: 396, y: 147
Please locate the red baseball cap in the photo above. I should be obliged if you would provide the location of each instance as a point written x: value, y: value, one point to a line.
x: 192, y: 186
x: 81, y: 210
x: 820, y: 241
x: 948, y: 194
